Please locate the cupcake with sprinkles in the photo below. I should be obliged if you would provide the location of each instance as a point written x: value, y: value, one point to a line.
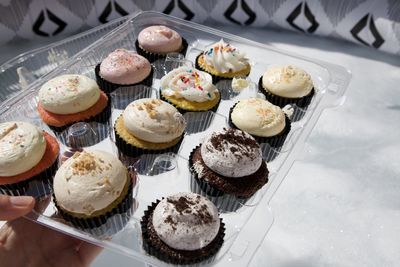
x: 189, y: 89
x: 223, y: 61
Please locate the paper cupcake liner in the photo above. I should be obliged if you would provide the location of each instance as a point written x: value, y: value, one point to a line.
x: 132, y: 151
x: 183, y: 111
x: 178, y: 256
x: 276, y: 141
x: 153, y: 56
x: 107, y: 224
x: 109, y: 87
x: 38, y: 186
x: 223, y: 201
x: 302, y: 102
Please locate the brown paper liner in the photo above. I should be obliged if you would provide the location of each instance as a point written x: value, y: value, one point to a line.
x: 38, y: 186
x: 153, y: 56
x: 109, y: 87
x: 154, y: 246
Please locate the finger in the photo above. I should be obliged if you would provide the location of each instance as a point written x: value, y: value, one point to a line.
x: 14, y: 207
x: 88, y: 252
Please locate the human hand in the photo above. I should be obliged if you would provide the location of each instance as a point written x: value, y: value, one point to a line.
x: 25, y: 243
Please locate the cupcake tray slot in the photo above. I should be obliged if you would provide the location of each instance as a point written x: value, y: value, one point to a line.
x: 160, y: 175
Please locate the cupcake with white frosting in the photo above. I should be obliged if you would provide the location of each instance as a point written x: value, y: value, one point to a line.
x: 266, y: 122
x: 149, y: 126
x: 223, y: 61
x: 228, y: 165
x: 184, y: 228
x: 283, y: 85
x: 189, y: 89
x: 28, y: 159
x: 91, y: 187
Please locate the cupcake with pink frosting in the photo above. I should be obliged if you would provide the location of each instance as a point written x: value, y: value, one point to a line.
x: 122, y: 68
x: 155, y: 42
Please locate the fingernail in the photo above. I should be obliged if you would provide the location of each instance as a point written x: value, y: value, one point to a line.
x: 22, y: 201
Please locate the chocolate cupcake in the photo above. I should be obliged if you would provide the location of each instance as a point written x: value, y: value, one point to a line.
x: 28, y: 160
x: 182, y: 229
x: 155, y: 42
x: 228, y: 167
x: 288, y: 84
x: 90, y: 188
x: 123, y: 68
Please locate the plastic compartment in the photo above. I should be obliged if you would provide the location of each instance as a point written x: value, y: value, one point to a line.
x: 162, y: 175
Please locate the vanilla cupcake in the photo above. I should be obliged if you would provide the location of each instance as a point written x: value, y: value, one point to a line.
x: 189, y: 89
x: 184, y: 228
x: 123, y: 68
x: 155, y: 42
x: 266, y: 122
x: 72, y: 98
x: 91, y: 187
x: 28, y: 159
x: 223, y: 61
x: 288, y: 84
x: 149, y: 126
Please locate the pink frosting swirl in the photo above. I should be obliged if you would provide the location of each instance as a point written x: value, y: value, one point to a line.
x: 160, y: 39
x: 124, y: 67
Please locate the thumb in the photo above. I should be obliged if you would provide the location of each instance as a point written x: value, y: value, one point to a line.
x: 14, y: 207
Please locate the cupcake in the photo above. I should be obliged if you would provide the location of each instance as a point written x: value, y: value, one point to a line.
x: 229, y: 166
x: 123, y: 68
x: 285, y: 85
x: 223, y: 61
x: 28, y: 159
x: 155, y: 42
x: 149, y: 126
x: 72, y: 98
x: 91, y: 187
x: 182, y: 229
x: 189, y: 89
x: 266, y: 122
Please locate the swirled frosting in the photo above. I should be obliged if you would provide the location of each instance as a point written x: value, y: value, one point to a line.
x: 160, y: 39
x: 225, y: 57
x: 69, y: 94
x: 189, y: 83
x: 186, y: 221
x: 153, y: 120
x: 22, y: 146
x: 124, y: 67
x: 231, y: 153
x: 89, y: 181
x: 287, y: 81
x: 258, y: 117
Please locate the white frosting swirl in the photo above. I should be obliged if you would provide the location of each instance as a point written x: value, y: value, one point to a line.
x: 89, y: 181
x: 258, y: 117
x: 189, y: 83
x: 225, y: 58
x: 153, y: 120
x: 22, y: 146
x: 69, y: 94
x: 186, y: 221
x: 231, y: 153
x: 287, y: 81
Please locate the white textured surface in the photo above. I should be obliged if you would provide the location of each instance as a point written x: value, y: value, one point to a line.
x: 340, y: 205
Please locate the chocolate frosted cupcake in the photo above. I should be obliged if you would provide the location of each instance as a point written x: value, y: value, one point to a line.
x: 223, y: 61
x: 123, y: 68
x: 155, y: 42
x: 266, y: 122
x: 182, y: 229
x: 228, y: 167
x: 90, y: 188
x: 149, y: 126
x: 189, y: 89
x: 288, y: 84
x: 28, y: 159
